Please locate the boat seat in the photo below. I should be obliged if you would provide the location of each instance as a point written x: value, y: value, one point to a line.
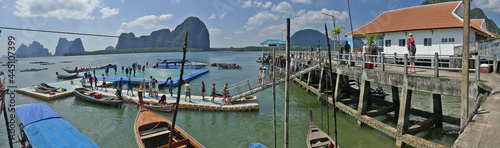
x: 154, y: 132
x: 177, y: 144
x: 320, y: 144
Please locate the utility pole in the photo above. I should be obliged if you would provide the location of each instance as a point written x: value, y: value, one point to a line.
x: 287, y: 83
x: 464, y: 111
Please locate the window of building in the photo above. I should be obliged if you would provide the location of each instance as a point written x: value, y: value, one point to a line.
x: 402, y: 42
x: 444, y: 40
x: 451, y: 40
x: 427, y: 42
x: 387, y: 43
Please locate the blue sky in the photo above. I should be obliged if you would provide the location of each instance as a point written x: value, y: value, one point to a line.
x: 232, y: 23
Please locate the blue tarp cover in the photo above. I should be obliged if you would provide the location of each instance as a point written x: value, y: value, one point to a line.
x: 29, y: 113
x: 56, y: 133
x: 257, y: 145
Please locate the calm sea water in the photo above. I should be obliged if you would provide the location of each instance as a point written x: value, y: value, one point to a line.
x: 113, y: 127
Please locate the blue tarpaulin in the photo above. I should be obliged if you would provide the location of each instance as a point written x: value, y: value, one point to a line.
x: 257, y: 145
x: 44, y: 128
x: 30, y: 113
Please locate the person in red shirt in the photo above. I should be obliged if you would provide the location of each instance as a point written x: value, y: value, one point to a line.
x: 411, y: 50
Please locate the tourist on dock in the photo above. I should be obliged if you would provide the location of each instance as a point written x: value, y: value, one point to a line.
x: 213, y: 92
x: 120, y: 84
x: 90, y: 80
x: 225, y: 95
x: 412, y: 48
x: 260, y: 76
x: 130, y: 88
x: 147, y: 64
x: 134, y: 71
x: 264, y: 74
x: 270, y: 74
x: 374, y: 52
x: 318, y: 51
x: 95, y: 81
x: 85, y: 75
x: 187, y: 90
x: 107, y: 70
x: 157, y: 88
x: 94, y: 71
x: 104, y: 83
x: 281, y: 72
x: 142, y: 86
x: 364, y: 50
x: 153, y: 85
x: 292, y: 64
x: 150, y: 86
x: 202, y: 90
x: 123, y: 68
x: 143, y: 68
x: 83, y: 81
x: 170, y: 86
x: 347, y: 49
x: 163, y: 99
x: 115, y: 69
x: 126, y: 71
x: 311, y: 51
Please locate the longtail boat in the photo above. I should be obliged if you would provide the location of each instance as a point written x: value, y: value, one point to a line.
x: 87, y: 94
x: 152, y: 131
x: 316, y: 138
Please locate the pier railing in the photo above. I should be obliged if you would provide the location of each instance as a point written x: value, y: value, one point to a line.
x: 434, y: 62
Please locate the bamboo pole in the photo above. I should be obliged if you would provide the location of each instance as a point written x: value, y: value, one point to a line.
x: 333, y: 100
x: 274, y: 95
x: 287, y: 79
x: 178, y: 92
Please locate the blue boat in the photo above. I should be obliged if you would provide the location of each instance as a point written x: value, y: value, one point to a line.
x: 257, y: 145
x: 176, y: 64
x: 42, y: 127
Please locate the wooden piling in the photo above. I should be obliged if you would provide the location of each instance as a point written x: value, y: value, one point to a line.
x: 404, y: 114
x: 395, y: 100
x: 464, y: 110
x: 363, y: 97
x: 438, y: 112
x: 287, y: 83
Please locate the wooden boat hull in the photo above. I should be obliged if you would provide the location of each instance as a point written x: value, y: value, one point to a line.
x: 167, y: 108
x: 48, y: 87
x: 106, y: 100
x: 317, y: 138
x: 73, y: 76
x: 152, y: 130
x: 42, y: 90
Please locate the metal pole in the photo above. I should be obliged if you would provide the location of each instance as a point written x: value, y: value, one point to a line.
x: 287, y: 79
x: 465, y: 66
x: 274, y: 96
x: 172, y: 134
x: 350, y: 20
x: 333, y: 100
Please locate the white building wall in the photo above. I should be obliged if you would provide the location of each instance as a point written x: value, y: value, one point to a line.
x: 437, y: 44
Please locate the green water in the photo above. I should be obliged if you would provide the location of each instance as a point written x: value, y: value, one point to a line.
x: 113, y: 127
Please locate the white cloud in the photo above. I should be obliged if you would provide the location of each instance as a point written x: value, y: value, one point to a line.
x: 120, y: 31
x: 307, y: 2
x: 215, y: 31
x: 246, y: 4
x: 267, y: 5
x: 313, y: 17
x: 283, y: 7
x: 106, y: 12
x: 261, y: 17
x: 69, y: 9
x: 223, y: 15
x: 256, y: 3
x: 238, y: 32
x: 213, y: 16
x: 490, y: 5
x: 148, y: 21
x: 165, y: 17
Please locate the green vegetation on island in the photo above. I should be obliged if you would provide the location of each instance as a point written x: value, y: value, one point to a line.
x: 132, y: 50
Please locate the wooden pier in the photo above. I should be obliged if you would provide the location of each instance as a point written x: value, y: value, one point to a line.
x: 434, y: 79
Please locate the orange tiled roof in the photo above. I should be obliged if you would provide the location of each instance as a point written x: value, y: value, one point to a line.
x: 436, y: 16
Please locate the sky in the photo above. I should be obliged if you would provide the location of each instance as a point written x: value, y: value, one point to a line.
x: 231, y: 23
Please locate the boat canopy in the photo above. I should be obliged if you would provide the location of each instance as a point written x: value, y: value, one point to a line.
x: 29, y: 113
x: 273, y: 43
x: 44, y: 128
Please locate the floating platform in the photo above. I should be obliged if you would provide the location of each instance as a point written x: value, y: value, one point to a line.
x: 30, y: 91
x: 249, y: 103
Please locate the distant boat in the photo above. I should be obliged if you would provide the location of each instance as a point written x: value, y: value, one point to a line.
x: 152, y: 130
x: 33, y: 69
x: 177, y: 64
x: 67, y: 76
x: 48, y: 87
x: 42, y: 127
x: 42, y: 90
x: 47, y: 63
x: 73, y: 70
x: 316, y: 138
x: 95, y: 97
x: 66, y: 62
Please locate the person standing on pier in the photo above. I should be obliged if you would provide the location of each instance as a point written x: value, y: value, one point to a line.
x: 120, y: 84
x: 171, y: 86
x: 130, y: 88
x: 260, y: 76
x: 142, y: 86
x: 412, y: 48
x: 115, y: 69
x: 126, y: 71
x: 83, y: 81
x: 213, y: 92
x: 187, y: 89
x: 90, y: 80
x: 150, y: 86
x: 202, y: 90
x: 225, y: 95
x: 143, y: 68
x: 95, y: 82
x: 157, y: 88
x: 134, y: 71
x: 365, y: 51
x: 104, y: 83
x: 292, y: 64
x: 122, y: 68
x: 347, y: 49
